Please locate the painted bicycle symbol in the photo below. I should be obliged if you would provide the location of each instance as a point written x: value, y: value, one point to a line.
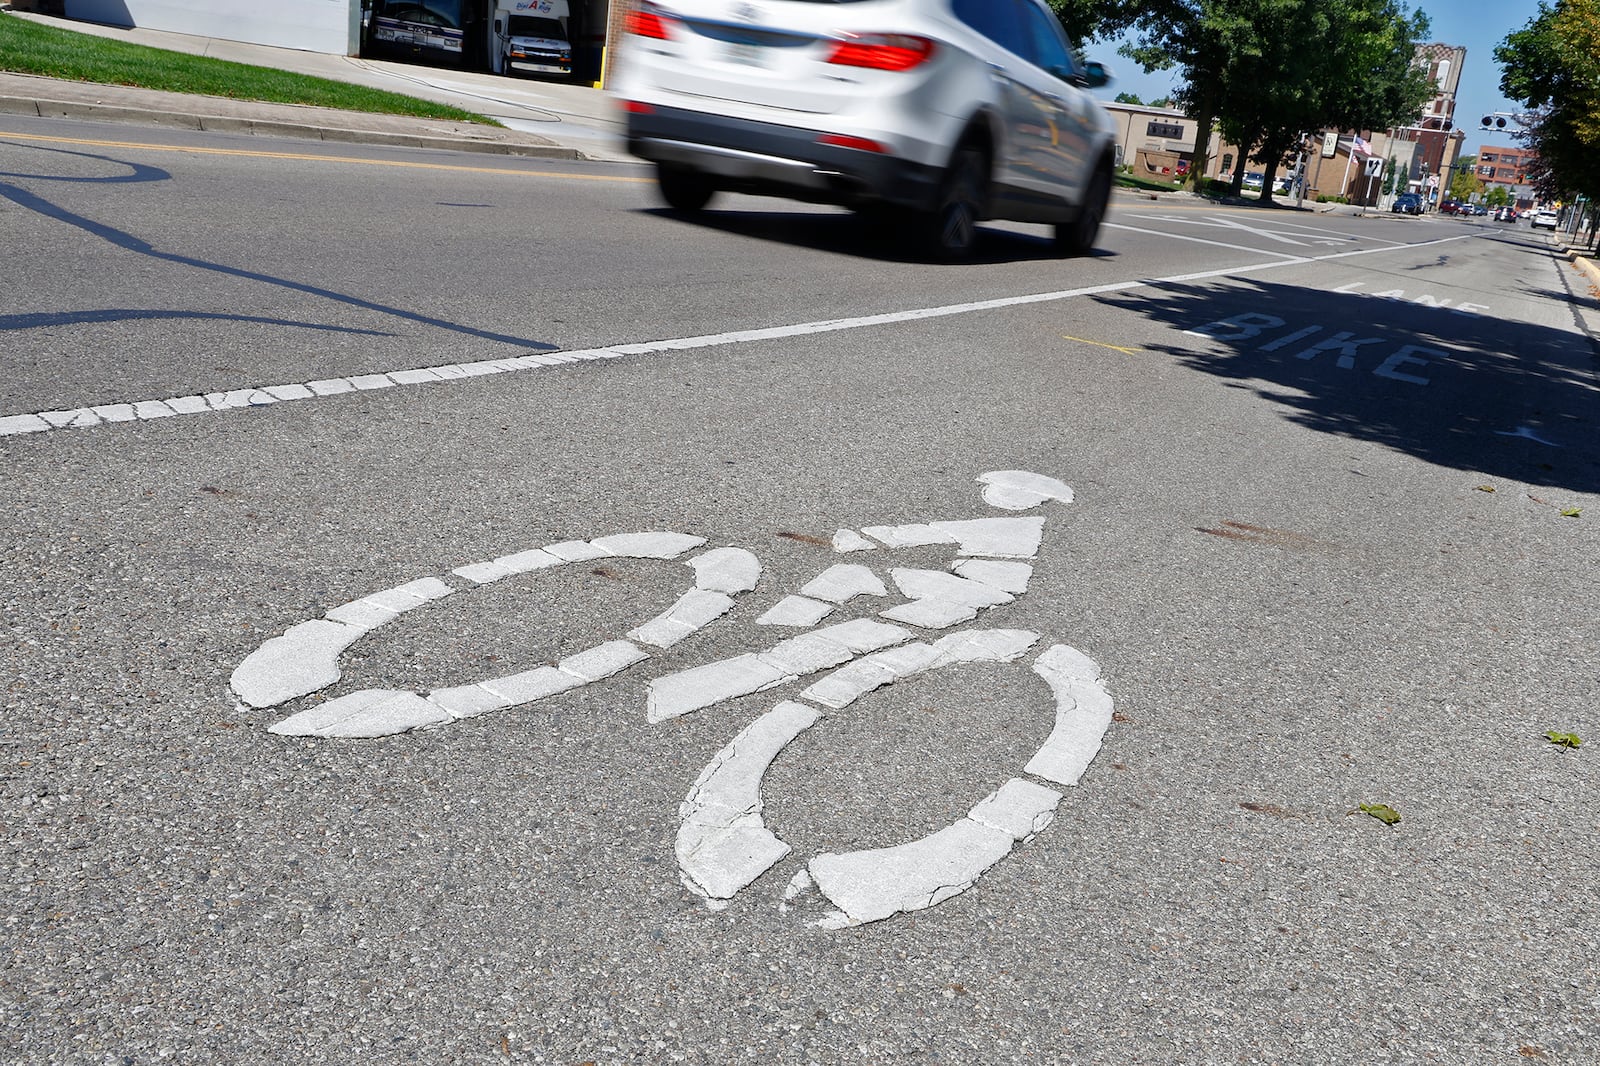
x: 723, y: 845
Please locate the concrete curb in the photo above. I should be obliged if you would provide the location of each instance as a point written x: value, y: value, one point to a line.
x: 1589, y: 268
x: 18, y: 105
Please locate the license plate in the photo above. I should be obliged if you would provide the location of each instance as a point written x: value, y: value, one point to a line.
x: 752, y: 55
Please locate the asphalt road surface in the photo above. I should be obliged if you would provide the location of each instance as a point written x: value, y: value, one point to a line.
x: 310, y: 756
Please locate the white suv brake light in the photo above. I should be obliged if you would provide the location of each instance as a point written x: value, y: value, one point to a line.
x: 648, y: 20
x: 882, y: 51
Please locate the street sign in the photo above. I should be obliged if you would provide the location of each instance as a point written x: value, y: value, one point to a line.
x: 1373, y: 167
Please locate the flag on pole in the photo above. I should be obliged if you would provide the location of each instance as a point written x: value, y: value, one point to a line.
x: 1359, y: 145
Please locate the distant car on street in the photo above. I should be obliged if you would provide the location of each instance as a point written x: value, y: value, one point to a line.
x: 1544, y: 217
x: 1407, y: 203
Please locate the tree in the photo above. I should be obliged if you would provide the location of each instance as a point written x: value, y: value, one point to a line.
x: 1552, y: 65
x: 1129, y: 98
x: 1268, y: 71
x: 1464, y: 182
x: 1497, y: 197
x: 1391, y: 176
x: 1341, y: 64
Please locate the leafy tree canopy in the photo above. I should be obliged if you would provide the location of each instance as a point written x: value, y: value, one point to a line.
x: 1268, y: 71
x: 1552, y: 65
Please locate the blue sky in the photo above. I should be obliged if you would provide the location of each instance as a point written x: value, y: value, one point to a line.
x: 1474, y: 24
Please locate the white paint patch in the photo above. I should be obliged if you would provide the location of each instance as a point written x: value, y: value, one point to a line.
x: 730, y: 570
x: 722, y: 844
x: 930, y: 613
x: 655, y: 545
x: 844, y: 582
x: 363, y: 716
x: 1018, y: 490
x: 699, y: 687
x: 848, y: 540
x: 47, y: 421
x: 1009, y: 538
x: 939, y: 600
x: 799, y: 611
x: 1083, y: 714
x: 843, y: 687
x: 939, y: 585
x: 301, y: 661
x: 1526, y: 433
x: 602, y: 662
x: 1010, y: 577
x: 871, y: 885
x: 914, y: 535
x: 694, y: 610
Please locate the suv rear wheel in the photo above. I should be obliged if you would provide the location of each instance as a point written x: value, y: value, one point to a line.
x: 952, y: 229
x: 683, y: 189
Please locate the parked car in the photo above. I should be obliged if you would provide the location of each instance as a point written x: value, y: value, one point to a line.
x: 1254, y: 179
x: 943, y: 112
x: 1450, y: 207
x: 1544, y: 217
x: 1407, y: 203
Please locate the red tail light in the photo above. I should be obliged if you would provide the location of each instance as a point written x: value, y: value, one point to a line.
x: 647, y: 22
x: 882, y: 51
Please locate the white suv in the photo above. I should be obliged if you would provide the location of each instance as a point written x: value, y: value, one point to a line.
x: 953, y: 110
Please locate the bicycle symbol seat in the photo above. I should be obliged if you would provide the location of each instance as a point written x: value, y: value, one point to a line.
x: 722, y: 844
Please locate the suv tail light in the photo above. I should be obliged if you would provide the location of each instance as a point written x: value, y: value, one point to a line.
x: 646, y: 20
x: 882, y: 51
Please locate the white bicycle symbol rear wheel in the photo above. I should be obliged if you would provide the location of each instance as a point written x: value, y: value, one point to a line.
x: 723, y: 845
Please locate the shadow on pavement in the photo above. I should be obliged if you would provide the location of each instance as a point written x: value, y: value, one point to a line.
x: 1464, y: 391
x: 138, y: 172
x: 849, y: 234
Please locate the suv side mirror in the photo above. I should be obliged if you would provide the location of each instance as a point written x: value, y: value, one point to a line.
x: 1095, y: 75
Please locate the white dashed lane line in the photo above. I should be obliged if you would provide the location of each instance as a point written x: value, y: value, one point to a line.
x: 266, y: 395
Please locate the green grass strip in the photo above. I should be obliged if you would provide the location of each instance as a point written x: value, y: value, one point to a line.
x: 28, y: 47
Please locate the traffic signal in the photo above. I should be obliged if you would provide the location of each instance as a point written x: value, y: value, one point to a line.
x: 1497, y: 121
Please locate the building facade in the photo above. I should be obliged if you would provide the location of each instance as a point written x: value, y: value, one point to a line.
x: 1437, y: 140
x: 1504, y: 166
x: 332, y: 26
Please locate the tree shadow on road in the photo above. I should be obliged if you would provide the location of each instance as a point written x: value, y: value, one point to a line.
x: 1461, y: 390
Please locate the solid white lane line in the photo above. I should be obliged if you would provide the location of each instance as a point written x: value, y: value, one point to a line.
x: 264, y: 395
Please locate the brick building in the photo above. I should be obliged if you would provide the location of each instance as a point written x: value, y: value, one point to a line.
x: 1503, y: 166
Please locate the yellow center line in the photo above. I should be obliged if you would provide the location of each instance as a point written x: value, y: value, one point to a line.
x: 247, y: 154
x: 1102, y: 344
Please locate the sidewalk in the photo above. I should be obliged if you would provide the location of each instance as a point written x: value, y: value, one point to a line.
x: 542, y: 119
